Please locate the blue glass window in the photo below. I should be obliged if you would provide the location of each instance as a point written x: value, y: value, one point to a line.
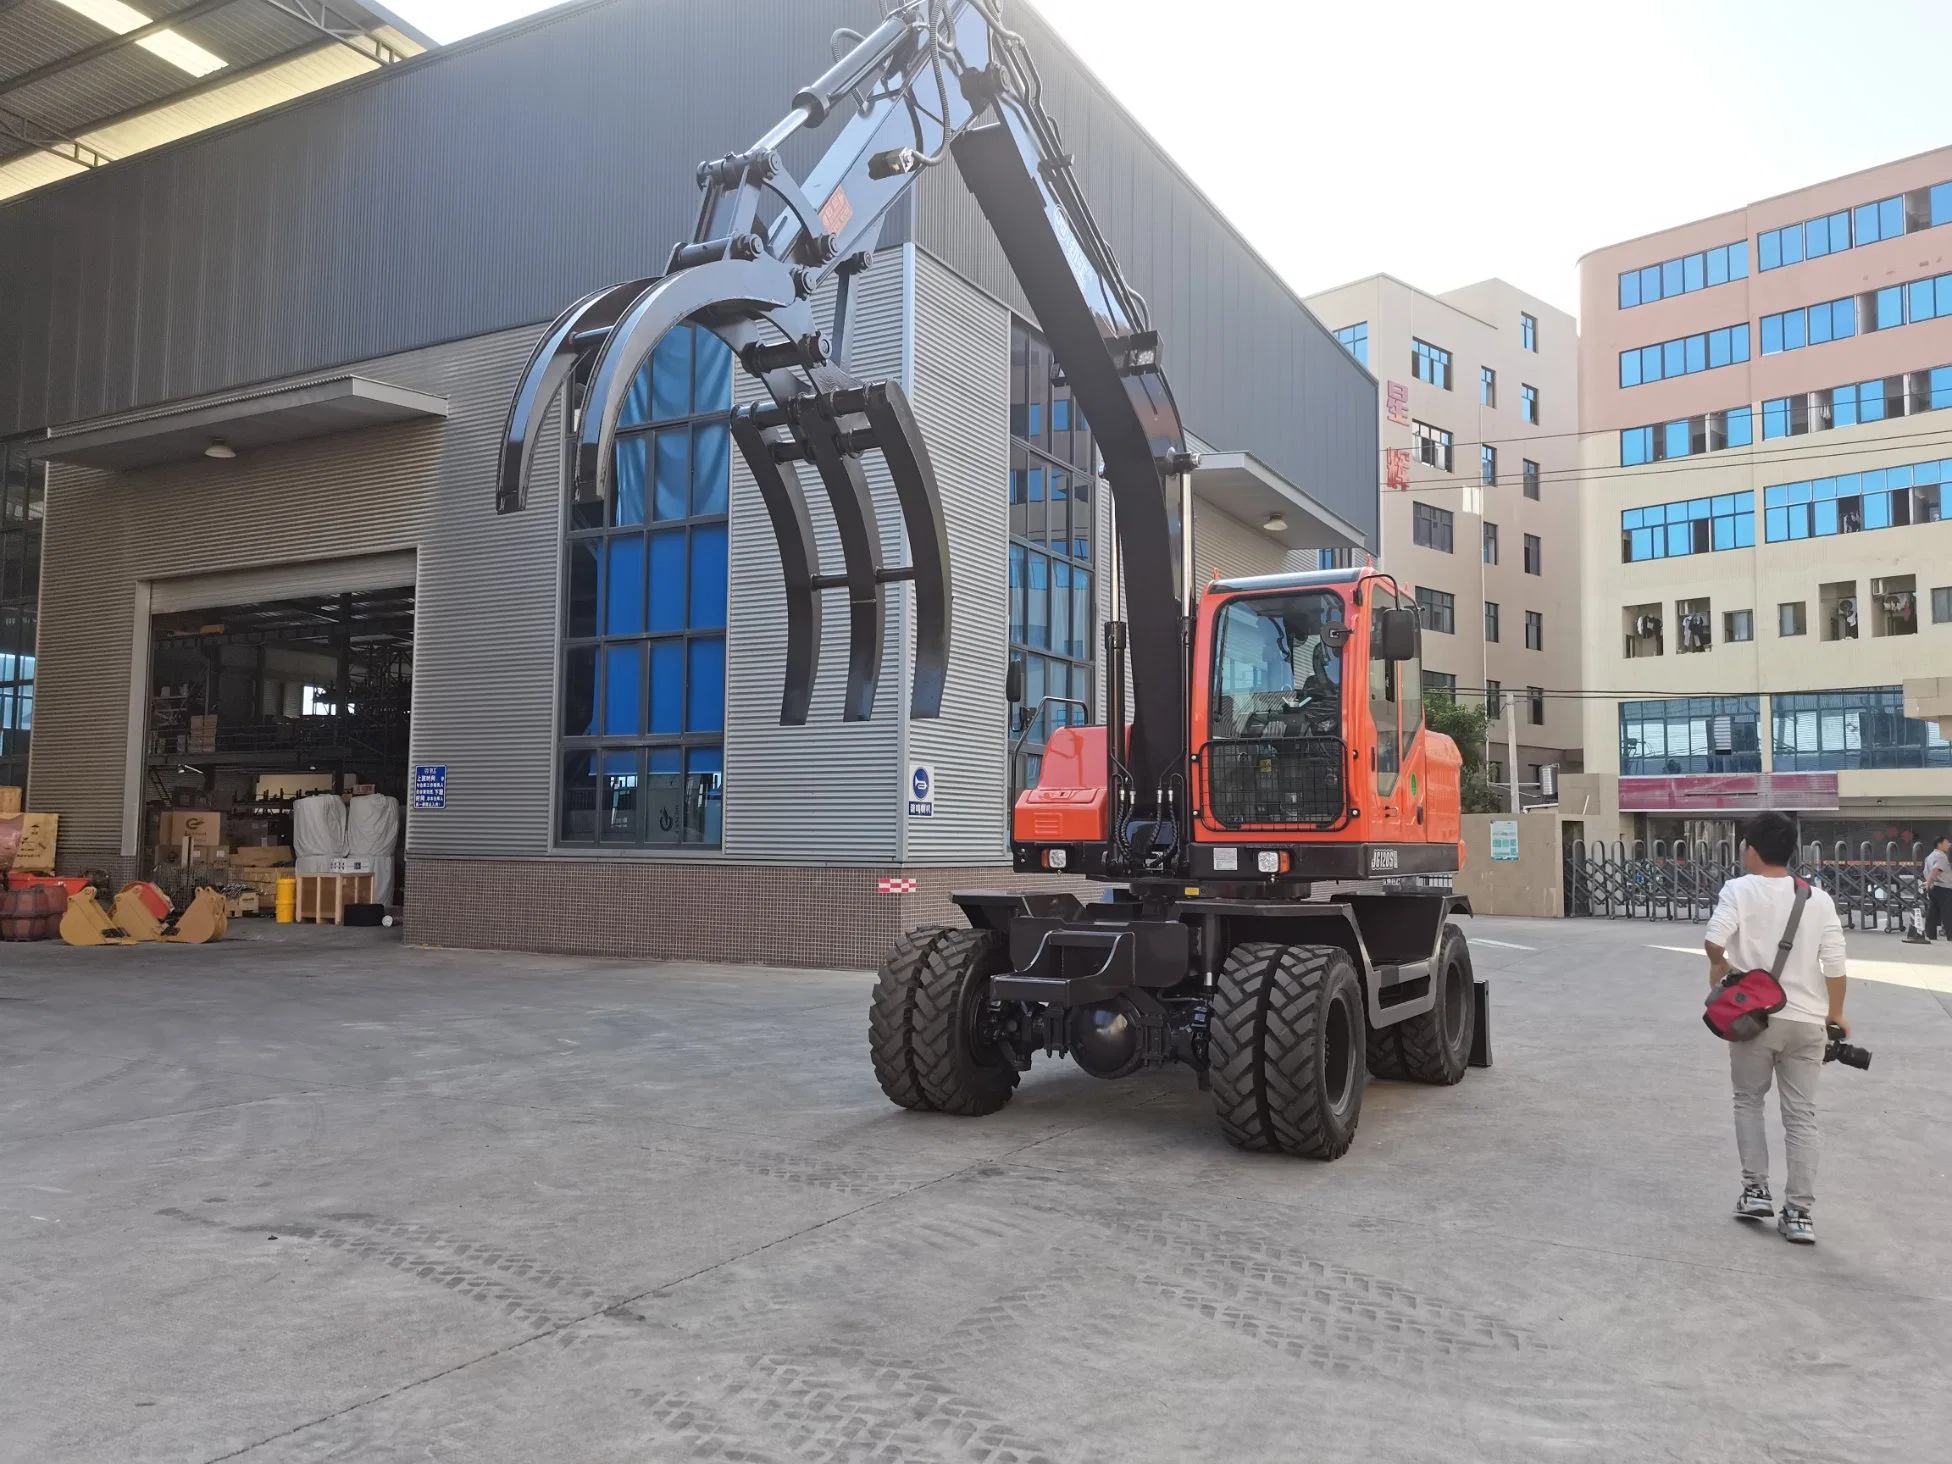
x: 1862, y: 727
x: 1854, y: 502
x: 1688, y: 526
x: 1684, y: 274
x: 1695, y: 734
x: 1890, y: 307
x: 645, y: 612
x: 1689, y: 354
x: 1355, y: 340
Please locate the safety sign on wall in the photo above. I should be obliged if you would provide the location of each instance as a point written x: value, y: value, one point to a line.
x: 430, y: 785
x: 1504, y: 838
x: 921, y: 791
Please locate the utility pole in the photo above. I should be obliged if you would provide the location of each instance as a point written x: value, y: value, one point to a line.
x: 1511, y: 746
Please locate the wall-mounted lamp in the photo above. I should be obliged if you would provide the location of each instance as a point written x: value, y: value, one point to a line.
x: 219, y: 449
x: 1275, y: 524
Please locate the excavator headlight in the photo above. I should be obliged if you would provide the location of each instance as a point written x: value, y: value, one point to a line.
x: 1271, y: 861
x: 1056, y: 858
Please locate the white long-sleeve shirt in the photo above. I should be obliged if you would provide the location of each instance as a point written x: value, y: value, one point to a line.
x: 1748, y: 924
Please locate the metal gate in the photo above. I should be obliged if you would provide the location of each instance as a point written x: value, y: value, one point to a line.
x: 1875, y: 887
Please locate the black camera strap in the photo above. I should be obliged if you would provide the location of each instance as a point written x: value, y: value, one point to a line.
x: 1789, y: 931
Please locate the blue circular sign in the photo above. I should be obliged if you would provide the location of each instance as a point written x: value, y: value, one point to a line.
x: 921, y: 784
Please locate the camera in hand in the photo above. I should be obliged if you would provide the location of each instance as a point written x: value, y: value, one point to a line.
x: 1846, y: 1053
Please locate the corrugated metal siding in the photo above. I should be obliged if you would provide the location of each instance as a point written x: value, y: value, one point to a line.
x: 962, y: 399
x: 421, y: 205
x: 1251, y: 367
x: 829, y: 791
x: 1223, y: 546
x: 352, y: 574
x: 483, y: 701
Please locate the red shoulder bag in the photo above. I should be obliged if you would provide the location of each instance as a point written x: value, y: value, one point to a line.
x: 1741, y: 1006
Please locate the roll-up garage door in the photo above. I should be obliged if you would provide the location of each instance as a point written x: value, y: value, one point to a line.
x: 350, y: 575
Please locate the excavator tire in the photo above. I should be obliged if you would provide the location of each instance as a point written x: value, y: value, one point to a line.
x: 1286, y: 1049
x: 1437, y: 1045
x: 1386, y: 1054
x: 922, y: 1023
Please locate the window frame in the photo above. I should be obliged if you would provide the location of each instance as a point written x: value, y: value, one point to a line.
x: 1437, y: 609
x: 1534, y: 630
x: 1432, y: 527
x: 1428, y: 362
x: 1534, y: 554
x: 1528, y: 402
x: 1528, y: 331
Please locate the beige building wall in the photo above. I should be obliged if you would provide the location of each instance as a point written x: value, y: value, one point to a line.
x: 1764, y: 578
x: 1480, y: 326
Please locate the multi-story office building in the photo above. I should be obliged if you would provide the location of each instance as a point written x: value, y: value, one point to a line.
x: 1479, y: 431
x: 1766, y: 562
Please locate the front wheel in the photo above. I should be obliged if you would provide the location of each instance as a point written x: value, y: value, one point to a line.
x: 925, y: 1026
x: 1437, y: 1045
x: 1286, y: 1049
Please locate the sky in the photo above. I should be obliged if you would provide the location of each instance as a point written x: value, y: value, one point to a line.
x: 1447, y: 142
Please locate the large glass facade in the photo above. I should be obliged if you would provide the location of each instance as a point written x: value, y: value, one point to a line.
x: 1691, y: 734
x: 1691, y: 526
x: 22, y: 506
x: 643, y: 703
x: 1850, y: 503
x: 1884, y: 218
x: 1705, y: 351
x: 1822, y: 731
x: 1053, y: 545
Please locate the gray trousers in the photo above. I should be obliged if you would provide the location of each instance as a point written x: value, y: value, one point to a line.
x: 1790, y: 1053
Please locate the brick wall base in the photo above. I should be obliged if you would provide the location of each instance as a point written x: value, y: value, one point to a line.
x: 763, y: 914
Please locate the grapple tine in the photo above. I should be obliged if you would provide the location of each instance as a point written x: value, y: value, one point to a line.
x: 799, y: 558
x: 900, y: 439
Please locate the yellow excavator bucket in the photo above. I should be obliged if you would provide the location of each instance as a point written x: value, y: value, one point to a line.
x: 88, y: 924
x: 203, y: 921
x: 133, y: 915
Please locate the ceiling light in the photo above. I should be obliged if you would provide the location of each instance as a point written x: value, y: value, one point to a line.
x: 219, y: 449
x: 168, y: 45
x: 1275, y: 524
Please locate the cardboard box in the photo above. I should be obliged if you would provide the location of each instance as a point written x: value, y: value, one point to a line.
x: 199, y: 826
x: 38, y: 831
x: 256, y: 856
x: 203, y: 734
x: 10, y: 803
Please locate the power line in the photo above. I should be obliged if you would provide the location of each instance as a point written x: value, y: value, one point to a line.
x: 1693, y: 463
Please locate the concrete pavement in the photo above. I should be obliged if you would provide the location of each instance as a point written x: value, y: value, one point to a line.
x: 311, y: 1195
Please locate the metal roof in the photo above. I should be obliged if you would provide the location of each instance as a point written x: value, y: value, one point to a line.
x: 84, y: 82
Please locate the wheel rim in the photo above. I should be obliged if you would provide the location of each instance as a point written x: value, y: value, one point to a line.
x: 1338, y: 1053
x: 1456, y: 992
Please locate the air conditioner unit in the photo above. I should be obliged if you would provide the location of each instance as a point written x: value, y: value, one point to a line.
x: 1898, y: 603
x: 1647, y: 626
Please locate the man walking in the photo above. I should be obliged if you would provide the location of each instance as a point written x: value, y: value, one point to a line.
x: 1747, y: 927
x: 1938, y: 888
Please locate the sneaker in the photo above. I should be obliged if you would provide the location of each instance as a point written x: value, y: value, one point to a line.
x: 1755, y: 1203
x: 1795, y: 1226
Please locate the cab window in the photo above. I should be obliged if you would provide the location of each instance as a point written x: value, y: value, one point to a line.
x: 1383, y: 681
x: 1275, y: 673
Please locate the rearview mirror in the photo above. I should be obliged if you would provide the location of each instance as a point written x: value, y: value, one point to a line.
x: 1399, y: 634
x: 1013, y: 682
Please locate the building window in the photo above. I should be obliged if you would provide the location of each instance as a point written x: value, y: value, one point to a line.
x: 1528, y: 332
x: 1488, y: 465
x: 1534, y: 555
x: 1494, y: 700
x: 1710, y: 432
x: 1535, y: 705
x: 1853, y: 502
x: 1433, y: 444
x: 1487, y: 387
x: 1790, y: 619
x: 1441, y: 683
x: 22, y: 509
x: 1491, y: 620
x: 1738, y: 625
x: 1534, y: 630
x: 1490, y: 543
x: 1858, y: 402
x: 1685, y: 275
x: 1814, y: 325
x: 1430, y: 363
x: 1691, y: 526
x: 1685, y: 356
x: 643, y: 710
x: 1531, y: 478
x: 1052, y: 550
x: 1355, y: 340
x: 1691, y: 734
x: 1431, y: 526
x: 1942, y: 606
x: 1528, y: 403
x: 1439, y: 609
x: 1866, y: 727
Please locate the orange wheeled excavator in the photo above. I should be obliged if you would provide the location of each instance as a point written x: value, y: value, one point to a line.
x: 1258, y: 812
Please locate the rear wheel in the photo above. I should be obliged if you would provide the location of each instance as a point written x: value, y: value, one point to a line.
x: 925, y: 1023
x: 1437, y: 1045
x: 1385, y: 1053
x: 1286, y: 1049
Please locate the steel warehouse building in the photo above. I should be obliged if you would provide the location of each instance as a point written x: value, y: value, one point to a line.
x: 256, y: 382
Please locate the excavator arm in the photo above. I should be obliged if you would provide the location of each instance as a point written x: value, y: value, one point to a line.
x: 936, y: 80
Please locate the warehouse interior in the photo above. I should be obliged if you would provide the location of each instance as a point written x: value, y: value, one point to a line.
x: 254, y: 705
